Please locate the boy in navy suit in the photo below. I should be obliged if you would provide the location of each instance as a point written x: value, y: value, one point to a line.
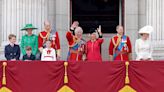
x: 12, y: 51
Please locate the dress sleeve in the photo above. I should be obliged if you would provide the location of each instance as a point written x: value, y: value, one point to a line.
x: 42, y: 55
x: 22, y: 46
x: 54, y: 53
x: 151, y: 49
x: 100, y: 40
x: 35, y: 49
x: 137, y: 47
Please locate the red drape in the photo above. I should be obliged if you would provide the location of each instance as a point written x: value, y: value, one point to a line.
x: 84, y: 76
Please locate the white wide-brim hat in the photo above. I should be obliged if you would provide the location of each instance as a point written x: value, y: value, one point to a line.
x: 146, y: 29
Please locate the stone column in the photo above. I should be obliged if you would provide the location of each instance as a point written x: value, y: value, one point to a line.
x: 131, y: 21
x: 62, y: 24
x: 142, y: 13
x: 155, y: 18
x: 52, y: 12
x: 0, y: 20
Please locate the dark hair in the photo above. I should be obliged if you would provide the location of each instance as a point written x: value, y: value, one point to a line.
x: 11, y: 36
x: 28, y: 48
x: 141, y: 34
x: 92, y: 30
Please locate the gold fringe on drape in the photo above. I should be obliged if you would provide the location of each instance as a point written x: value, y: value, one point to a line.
x: 65, y: 88
x: 4, y: 88
x: 127, y: 88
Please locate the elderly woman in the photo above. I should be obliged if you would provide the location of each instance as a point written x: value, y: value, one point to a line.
x: 93, y: 46
x: 75, y: 42
x: 143, y: 47
x: 29, y: 39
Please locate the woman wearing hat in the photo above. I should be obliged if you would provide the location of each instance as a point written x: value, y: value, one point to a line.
x: 143, y: 47
x: 29, y: 39
x: 93, y: 46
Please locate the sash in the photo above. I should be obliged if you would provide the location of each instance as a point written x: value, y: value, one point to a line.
x: 121, y: 44
x: 49, y: 36
x: 75, y: 48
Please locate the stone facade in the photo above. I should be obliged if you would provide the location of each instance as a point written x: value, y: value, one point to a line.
x: 59, y: 14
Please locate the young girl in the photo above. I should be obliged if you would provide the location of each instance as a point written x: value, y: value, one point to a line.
x: 48, y: 53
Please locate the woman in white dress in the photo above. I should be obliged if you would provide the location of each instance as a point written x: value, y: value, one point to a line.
x: 143, y: 47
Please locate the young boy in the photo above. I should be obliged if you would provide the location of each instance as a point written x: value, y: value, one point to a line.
x: 28, y: 56
x: 12, y: 51
x: 48, y: 53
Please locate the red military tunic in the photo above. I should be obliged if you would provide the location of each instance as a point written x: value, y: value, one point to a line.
x: 122, y: 54
x: 76, y: 47
x: 44, y: 36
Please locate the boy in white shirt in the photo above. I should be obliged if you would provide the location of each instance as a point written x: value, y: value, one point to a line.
x: 48, y: 53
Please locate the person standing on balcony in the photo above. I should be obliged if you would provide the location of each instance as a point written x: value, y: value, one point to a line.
x: 75, y: 42
x: 29, y: 39
x: 143, y: 46
x: 93, y: 46
x: 12, y: 50
x: 48, y: 53
x: 120, y: 48
x: 28, y: 56
x: 49, y: 34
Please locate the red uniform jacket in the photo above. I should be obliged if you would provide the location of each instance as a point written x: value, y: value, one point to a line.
x: 76, y: 48
x: 126, y: 49
x: 44, y: 36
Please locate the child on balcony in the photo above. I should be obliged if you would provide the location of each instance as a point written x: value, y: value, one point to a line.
x: 48, y: 53
x: 28, y: 56
x: 12, y: 50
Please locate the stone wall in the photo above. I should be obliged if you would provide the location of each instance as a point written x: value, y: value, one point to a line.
x: 131, y: 21
x: 59, y: 14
